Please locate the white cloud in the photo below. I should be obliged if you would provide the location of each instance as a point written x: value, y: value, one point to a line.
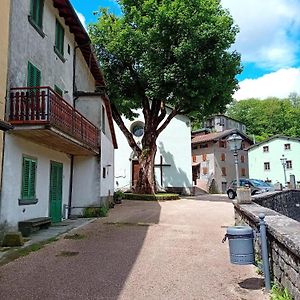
x: 278, y: 84
x: 82, y: 19
x: 269, y: 31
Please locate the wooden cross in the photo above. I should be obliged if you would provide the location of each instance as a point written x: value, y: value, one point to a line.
x: 161, y: 165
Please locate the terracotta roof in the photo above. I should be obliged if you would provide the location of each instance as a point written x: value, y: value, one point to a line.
x: 67, y: 12
x: 215, y: 136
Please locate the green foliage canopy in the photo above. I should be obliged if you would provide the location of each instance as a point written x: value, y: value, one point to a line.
x: 169, y: 51
x: 265, y: 118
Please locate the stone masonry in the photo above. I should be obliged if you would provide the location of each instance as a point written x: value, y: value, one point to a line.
x: 283, y: 240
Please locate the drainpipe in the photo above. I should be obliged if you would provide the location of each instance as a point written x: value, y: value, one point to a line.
x: 70, y: 186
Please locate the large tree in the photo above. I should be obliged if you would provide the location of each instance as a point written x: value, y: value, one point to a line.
x: 165, y: 53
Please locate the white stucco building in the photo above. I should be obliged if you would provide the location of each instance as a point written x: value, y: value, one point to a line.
x: 173, y: 170
x: 275, y: 159
x: 59, y: 157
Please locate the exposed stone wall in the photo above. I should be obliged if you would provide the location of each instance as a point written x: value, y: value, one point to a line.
x: 286, y: 203
x: 283, y: 235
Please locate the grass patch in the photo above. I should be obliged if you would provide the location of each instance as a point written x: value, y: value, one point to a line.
x: 95, y: 212
x: 75, y: 236
x: 279, y: 293
x: 150, y: 197
x: 21, y: 252
x: 67, y: 253
x: 120, y: 224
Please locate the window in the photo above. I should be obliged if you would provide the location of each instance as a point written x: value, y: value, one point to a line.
x: 265, y: 148
x: 243, y: 172
x: 223, y: 171
x: 267, y: 166
x: 242, y: 158
x: 203, y: 157
x: 204, y: 171
x: 59, y: 39
x: 28, y: 178
x: 194, y: 158
x: 289, y: 164
x: 223, y: 157
x: 36, y: 14
x: 58, y: 90
x: 103, y: 119
x: 222, y: 144
x: 104, y: 172
x: 33, y: 76
x: 203, y: 146
x: 287, y: 146
x: 194, y: 147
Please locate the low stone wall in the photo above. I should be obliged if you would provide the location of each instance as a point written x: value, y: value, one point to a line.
x: 283, y: 235
x: 286, y: 202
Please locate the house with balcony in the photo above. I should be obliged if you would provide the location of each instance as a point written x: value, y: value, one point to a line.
x: 213, y: 162
x: 59, y: 157
x: 275, y: 160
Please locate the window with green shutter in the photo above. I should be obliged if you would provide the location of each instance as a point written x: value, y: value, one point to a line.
x: 33, y: 76
x: 103, y: 119
x: 59, y: 39
x: 58, y: 90
x: 28, y: 178
x: 36, y: 13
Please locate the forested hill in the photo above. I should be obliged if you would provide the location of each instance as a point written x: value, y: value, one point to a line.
x: 268, y: 117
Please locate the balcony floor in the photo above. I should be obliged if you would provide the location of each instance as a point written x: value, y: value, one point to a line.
x: 53, y: 138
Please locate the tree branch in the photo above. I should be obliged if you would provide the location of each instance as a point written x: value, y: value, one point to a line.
x: 163, y: 113
x: 118, y: 119
x: 168, y: 120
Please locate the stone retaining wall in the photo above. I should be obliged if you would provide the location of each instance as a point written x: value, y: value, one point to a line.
x: 286, y: 202
x: 283, y: 243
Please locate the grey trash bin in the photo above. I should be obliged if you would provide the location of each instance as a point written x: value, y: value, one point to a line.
x: 241, y: 246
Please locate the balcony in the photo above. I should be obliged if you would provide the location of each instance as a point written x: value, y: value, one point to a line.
x: 42, y: 116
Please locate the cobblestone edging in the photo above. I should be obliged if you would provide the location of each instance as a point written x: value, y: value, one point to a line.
x: 283, y: 243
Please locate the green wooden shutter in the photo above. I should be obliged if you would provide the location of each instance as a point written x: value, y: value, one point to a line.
x: 36, y: 12
x: 28, y: 178
x: 58, y: 90
x: 33, y: 76
x: 59, y: 38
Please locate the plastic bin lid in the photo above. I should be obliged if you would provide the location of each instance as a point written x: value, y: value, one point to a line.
x: 239, y: 230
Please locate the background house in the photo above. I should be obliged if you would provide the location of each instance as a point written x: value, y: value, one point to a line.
x: 265, y: 159
x: 173, y: 170
x: 212, y: 160
x: 60, y: 153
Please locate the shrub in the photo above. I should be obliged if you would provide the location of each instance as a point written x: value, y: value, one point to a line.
x: 279, y: 293
x: 150, y: 197
x: 95, y: 212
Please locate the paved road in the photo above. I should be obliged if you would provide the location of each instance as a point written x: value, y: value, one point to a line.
x: 143, y: 250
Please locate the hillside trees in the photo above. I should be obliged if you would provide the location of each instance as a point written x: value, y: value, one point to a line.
x: 165, y: 53
x: 264, y: 118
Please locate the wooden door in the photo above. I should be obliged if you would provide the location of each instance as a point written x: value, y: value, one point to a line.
x: 56, y: 174
x: 135, y: 172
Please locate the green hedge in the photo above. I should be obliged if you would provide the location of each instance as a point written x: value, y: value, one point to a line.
x: 150, y: 197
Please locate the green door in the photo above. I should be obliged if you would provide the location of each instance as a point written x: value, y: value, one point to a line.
x: 56, y: 172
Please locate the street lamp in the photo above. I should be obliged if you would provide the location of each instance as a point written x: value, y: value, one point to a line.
x: 235, y: 143
x: 283, y: 162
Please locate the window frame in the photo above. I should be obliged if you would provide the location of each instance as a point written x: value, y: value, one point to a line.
x: 29, y: 178
x: 265, y: 149
x: 59, y: 40
x: 289, y: 165
x: 267, y: 166
x: 287, y: 146
x: 36, y: 15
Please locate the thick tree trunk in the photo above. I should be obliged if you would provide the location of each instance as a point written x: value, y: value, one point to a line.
x: 146, y: 180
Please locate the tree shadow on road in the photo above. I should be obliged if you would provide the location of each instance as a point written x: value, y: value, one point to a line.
x: 105, y: 260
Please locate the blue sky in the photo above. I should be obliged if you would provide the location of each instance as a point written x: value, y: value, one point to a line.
x: 269, y: 42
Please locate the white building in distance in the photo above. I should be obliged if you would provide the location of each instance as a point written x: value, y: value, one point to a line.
x: 275, y: 159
